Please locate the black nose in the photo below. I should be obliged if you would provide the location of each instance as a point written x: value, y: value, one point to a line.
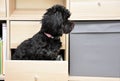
x: 72, y: 25
x: 68, y: 27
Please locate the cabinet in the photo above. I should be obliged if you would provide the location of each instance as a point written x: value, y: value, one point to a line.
x: 23, y: 19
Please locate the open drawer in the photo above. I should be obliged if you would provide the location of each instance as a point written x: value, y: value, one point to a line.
x: 36, y: 71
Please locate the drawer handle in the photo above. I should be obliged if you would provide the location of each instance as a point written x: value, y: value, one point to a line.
x: 36, y: 78
x: 99, y: 4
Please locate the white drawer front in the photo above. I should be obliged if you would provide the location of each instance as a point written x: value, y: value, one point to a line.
x: 36, y: 71
x: 95, y: 9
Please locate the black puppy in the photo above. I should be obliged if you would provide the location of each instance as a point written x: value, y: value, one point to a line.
x: 45, y: 45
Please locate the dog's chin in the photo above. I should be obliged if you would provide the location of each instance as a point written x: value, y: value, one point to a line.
x: 68, y: 28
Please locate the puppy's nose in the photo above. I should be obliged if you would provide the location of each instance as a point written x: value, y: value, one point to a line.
x: 72, y: 25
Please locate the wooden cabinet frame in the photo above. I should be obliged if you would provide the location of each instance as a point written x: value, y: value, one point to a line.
x: 32, y: 10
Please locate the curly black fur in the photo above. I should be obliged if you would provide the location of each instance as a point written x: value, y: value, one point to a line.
x: 41, y: 47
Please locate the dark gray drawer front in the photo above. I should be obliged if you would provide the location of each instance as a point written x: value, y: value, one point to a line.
x: 96, y: 50
x: 97, y: 27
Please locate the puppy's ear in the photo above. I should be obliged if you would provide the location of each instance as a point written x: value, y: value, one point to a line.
x: 68, y: 27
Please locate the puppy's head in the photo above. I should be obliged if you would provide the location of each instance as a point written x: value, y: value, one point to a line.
x: 55, y: 21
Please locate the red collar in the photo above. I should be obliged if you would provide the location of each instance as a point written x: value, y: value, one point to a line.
x: 48, y: 35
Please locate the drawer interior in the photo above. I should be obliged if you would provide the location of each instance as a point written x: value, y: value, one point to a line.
x: 22, y: 30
